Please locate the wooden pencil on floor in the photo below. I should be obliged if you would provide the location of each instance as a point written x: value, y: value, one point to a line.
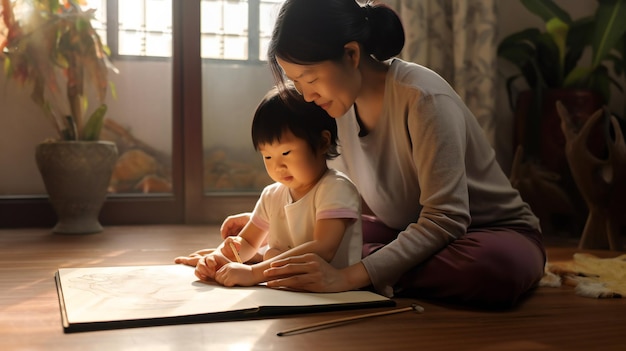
x: 332, y: 322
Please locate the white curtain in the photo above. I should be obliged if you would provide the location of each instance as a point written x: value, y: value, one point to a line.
x: 457, y: 39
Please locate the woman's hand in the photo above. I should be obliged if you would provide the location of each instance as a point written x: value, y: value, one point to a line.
x: 232, y: 225
x: 192, y: 258
x: 309, y: 272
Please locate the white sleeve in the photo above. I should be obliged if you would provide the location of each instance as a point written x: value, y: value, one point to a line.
x: 337, y: 197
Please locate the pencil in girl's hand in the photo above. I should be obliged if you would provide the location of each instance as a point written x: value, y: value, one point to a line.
x: 234, y: 249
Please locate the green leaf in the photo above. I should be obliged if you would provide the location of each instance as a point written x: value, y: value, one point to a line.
x: 7, y: 66
x: 600, y: 81
x: 579, y: 37
x: 547, y: 10
x: 519, y: 49
x: 82, y: 25
x: 113, y: 90
x: 517, y: 53
x: 577, y: 77
x: 70, y: 132
x: 549, y: 66
x: 94, y: 124
x: 610, y: 27
x: 53, y: 5
x: 529, y: 35
x: 558, y: 32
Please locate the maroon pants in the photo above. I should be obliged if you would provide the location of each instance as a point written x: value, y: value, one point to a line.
x: 487, y: 267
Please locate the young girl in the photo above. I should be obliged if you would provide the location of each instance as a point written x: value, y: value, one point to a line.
x: 310, y: 208
x: 448, y: 224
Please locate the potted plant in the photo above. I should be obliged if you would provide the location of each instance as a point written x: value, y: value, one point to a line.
x: 551, y: 65
x: 50, y: 47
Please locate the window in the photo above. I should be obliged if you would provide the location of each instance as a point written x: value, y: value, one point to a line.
x: 144, y: 28
x: 230, y: 29
x: 232, y: 32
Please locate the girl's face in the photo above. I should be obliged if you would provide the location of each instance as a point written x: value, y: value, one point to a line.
x: 332, y: 85
x: 292, y: 163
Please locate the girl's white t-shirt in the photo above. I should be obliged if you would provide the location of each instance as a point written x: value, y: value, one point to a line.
x: 289, y: 224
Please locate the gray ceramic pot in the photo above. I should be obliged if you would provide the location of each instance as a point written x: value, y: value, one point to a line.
x: 76, y: 175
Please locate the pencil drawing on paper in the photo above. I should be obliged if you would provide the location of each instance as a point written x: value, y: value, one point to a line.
x: 139, y: 288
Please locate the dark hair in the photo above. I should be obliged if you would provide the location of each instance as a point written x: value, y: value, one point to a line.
x: 308, y: 32
x: 305, y: 120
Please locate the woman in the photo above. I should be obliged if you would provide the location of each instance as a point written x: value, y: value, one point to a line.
x: 446, y: 222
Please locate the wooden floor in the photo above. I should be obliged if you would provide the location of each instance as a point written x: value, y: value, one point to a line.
x: 550, y: 319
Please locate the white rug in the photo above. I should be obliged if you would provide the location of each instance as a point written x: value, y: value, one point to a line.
x: 590, y: 275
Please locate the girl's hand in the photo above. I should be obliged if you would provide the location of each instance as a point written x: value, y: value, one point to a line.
x: 232, y: 225
x: 209, y: 264
x: 227, y: 250
x: 192, y: 258
x: 307, y: 272
x: 235, y: 273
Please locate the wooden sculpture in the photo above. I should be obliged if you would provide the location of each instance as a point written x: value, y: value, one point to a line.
x: 541, y: 189
x: 601, y: 182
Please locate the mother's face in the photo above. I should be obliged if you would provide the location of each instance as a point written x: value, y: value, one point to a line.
x: 332, y: 85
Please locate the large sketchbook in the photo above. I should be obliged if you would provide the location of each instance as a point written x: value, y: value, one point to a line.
x: 138, y: 296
